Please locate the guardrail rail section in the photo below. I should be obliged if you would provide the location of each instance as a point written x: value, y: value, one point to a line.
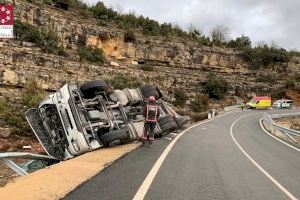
x: 289, y: 135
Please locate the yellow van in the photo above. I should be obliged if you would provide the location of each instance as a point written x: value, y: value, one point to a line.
x: 259, y: 103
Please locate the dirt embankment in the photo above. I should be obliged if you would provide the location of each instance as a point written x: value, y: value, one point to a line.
x: 291, y: 123
x: 56, y: 181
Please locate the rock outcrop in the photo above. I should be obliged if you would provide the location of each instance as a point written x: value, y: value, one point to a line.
x: 177, y: 63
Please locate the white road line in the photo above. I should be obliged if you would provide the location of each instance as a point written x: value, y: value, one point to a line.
x: 283, y: 189
x: 142, y: 191
x: 263, y: 128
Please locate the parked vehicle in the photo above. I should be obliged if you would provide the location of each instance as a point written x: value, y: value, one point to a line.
x: 259, y: 103
x: 283, y: 103
x: 77, y: 119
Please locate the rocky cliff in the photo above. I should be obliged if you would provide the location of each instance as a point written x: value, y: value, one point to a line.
x: 177, y: 63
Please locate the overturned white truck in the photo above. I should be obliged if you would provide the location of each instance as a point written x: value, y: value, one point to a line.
x: 77, y: 119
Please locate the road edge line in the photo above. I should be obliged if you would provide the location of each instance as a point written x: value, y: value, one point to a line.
x: 282, y: 188
x: 267, y: 132
x: 143, y: 189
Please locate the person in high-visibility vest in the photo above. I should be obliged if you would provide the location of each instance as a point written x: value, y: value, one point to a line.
x: 151, y: 113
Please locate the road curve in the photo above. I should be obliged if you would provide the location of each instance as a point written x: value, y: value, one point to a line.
x: 205, y: 163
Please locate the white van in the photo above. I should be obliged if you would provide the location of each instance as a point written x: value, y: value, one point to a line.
x: 283, y: 103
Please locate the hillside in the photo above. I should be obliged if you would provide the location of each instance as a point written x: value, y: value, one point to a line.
x: 54, y: 46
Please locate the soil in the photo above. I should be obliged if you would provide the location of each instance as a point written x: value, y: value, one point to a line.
x: 291, y: 123
x: 16, y: 144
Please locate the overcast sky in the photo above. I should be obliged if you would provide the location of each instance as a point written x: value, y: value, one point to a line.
x: 262, y: 20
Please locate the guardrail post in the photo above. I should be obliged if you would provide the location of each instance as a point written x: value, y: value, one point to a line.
x: 14, y: 167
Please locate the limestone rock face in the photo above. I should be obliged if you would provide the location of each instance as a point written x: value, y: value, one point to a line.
x: 178, y: 63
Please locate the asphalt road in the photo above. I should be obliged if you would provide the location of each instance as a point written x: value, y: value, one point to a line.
x: 205, y: 163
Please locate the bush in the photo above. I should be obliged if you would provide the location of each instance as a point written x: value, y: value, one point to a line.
x: 200, y: 103
x: 14, y: 118
x: 216, y: 87
x: 290, y: 84
x: 51, y: 43
x: 63, y: 4
x: 148, y: 68
x: 180, y: 98
x: 129, y: 36
x: 46, y: 39
x: 32, y: 94
x: 240, y: 43
x: 27, y: 33
x: 121, y: 81
x: 91, y: 54
x: 264, y: 56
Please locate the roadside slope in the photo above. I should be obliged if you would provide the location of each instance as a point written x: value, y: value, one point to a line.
x: 56, y: 181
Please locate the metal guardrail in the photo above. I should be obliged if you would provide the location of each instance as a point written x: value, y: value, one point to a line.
x: 6, y: 159
x: 284, y: 133
x: 230, y: 108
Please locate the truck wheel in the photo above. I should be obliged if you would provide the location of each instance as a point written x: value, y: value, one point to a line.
x: 149, y: 90
x: 167, y: 124
x: 114, y: 137
x: 181, y: 121
x: 90, y: 89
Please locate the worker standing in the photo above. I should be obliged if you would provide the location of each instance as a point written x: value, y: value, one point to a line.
x: 151, y: 113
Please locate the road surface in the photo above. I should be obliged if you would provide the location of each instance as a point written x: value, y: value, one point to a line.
x: 227, y: 158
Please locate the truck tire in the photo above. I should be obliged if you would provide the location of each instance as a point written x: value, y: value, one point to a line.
x: 167, y: 124
x: 90, y: 89
x: 114, y: 137
x: 181, y: 121
x: 149, y: 90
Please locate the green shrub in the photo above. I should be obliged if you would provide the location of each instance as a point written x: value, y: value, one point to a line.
x: 27, y: 33
x: 100, y: 11
x: 47, y: 40
x: 180, y: 98
x: 265, y: 56
x: 129, y: 36
x: 91, y: 54
x: 32, y: 94
x: 14, y: 118
x: 200, y: 103
x: 121, y: 81
x: 216, y: 87
x: 51, y: 43
x: 148, y: 68
x: 240, y: 42
x: 290, y: 83
x: 63, y: 4
x: 48, y: 2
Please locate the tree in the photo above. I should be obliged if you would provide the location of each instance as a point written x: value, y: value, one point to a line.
x: 240, y: 42
x: 194, y: 32
x: 220, y: 35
